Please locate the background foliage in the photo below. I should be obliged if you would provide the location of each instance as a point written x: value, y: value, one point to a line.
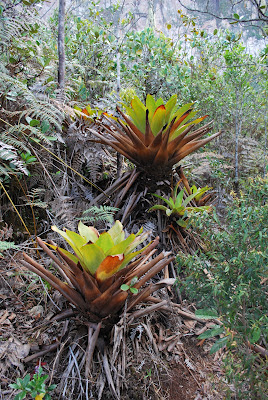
x: 48, y: 162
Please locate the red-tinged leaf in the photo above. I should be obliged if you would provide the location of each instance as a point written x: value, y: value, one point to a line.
x: 86, y: 114
x: 195, y: 135
x: 179, y: 121
x: 162, y: 154
x: 158, y: 120
x: 174, y: 144
x: 85, y: 111
x: 109, y: 266
x: 170, y: 105
x: 110, y: 116
x: 134, y: 128
x: 119, y: 135
x: 179, y: 131
x: 192, y: 146
x: 116, y: 303
x: 154, y: 146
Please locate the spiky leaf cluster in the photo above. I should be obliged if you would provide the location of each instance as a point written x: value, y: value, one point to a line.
x: 100, y: 265
x: 179, y: 205
x: 154, y: 135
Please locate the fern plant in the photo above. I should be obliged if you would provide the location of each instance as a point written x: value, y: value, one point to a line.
x: 99, y: 214
x: 10, y: 161
x: 40, y: 109
x: 6, y: 246
x: 35, y: 198
x: 32, y: 120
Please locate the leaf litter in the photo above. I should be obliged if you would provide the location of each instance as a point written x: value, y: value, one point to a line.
x: 152, y: 356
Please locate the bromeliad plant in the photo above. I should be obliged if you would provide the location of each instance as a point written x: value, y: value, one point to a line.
x: 199, y: 192
x: 99, y: 266
x: 87, y: 113
x: 155, y: 135
x: 178, y: 206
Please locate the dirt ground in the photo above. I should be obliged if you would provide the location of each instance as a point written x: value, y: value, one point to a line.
x: 154, y: 357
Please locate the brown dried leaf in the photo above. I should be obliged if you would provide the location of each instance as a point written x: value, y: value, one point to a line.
x: 13, y: 351
x: 190, y: 323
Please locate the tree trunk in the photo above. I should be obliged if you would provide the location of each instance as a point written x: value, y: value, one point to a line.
x: 265, y: 147
x: 119, y: 161
x: 236, y: 141
x: 151, y: 14
x: 61, y: 49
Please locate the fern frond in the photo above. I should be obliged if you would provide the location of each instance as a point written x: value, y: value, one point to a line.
x: 14, y: 142
x: 4, y: 170
x: 34, y: 107
x: 44, y: 111
x: 34, y: 198
x: 9, y: 154
x: 28, y: 131
x: 10, y: 28
x: 94, y: 164
x: 6, y: 246
x: 63, y: 209
x: 99, y: 214
x: 3, y: 68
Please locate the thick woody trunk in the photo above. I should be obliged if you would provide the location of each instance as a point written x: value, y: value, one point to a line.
x: 265, y: 148
x: 61, y: 49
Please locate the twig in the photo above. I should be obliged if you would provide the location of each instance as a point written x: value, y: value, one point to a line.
x: 183, y: 313
x: 258, y: 349
x: 64, y: 314
x: 56, y: 361
x: 108, y: 374
x: 41, y: 353
x: 147, y: 310
x: 92, y: 341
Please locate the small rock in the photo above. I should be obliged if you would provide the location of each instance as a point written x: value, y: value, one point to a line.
x: 36, y: 311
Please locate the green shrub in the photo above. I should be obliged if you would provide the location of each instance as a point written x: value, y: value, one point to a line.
x: 33, y: 386
x: 230, y: 277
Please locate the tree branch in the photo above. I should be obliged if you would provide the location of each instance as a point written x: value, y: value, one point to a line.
x: 262, y: 17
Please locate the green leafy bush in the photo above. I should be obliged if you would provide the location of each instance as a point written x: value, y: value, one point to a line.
x: 230, y: 277
x: 34, y: 387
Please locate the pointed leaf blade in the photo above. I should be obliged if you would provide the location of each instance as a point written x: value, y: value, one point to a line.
x: 92, y: 256
x: 88, y: 232
x: 116, y: 232
x: 109, y: 266
x: 122, y: 246
x: 138, y: 240
x: 170, y: 105
x: 158, y: 120
x: 105, y: 242
x: 179, y: 199
x: 151, y: 106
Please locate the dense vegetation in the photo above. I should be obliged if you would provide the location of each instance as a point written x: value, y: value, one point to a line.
x: 54, y: 169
